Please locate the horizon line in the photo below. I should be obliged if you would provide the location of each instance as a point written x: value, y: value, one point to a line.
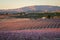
x: 27, y: 6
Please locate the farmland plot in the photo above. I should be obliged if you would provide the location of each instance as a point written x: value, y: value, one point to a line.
x: 24, y: 24
x: 43, y: 34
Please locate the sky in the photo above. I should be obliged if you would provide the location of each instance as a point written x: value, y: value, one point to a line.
x: 12, y: 4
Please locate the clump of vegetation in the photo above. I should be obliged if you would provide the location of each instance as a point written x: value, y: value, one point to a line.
x: 32, y: 15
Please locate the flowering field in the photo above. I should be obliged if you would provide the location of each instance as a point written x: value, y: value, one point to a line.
x: 23, y: 24
x: 43, y: 34
x: 30, y: 29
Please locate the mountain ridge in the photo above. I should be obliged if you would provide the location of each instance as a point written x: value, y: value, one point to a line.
x: 35, y: 8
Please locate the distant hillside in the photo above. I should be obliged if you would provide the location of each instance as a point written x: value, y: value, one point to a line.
x: 39, y: 8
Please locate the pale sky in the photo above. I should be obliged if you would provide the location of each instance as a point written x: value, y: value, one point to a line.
x: 12, y: 4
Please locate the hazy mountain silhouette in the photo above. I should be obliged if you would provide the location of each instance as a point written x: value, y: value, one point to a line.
x: 37, y: 8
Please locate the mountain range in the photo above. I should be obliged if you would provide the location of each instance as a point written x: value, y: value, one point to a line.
x: 36, y: 8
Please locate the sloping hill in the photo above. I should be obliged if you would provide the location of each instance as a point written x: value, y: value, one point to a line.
x: 36, y: 8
